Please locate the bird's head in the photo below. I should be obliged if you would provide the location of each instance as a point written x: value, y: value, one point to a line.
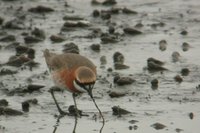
x: 84, y: 79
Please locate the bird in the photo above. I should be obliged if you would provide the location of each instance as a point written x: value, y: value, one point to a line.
x: 72, y: 72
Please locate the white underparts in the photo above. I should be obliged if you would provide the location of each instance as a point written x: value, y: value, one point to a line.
x: 78, y: 87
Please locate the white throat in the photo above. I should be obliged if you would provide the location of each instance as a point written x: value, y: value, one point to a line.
x: 78, y: 87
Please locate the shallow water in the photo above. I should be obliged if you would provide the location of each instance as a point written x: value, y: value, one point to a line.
x: 170, y: 104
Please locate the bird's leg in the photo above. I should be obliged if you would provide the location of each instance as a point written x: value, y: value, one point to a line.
x: 103, y: 120
x: 62, y: 113
x: 77, y: 114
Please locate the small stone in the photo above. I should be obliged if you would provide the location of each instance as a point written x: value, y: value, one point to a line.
x: 111, y: 29
x: 153, y: 67
x: 3, y: 102
x: 133, y: 121
x: 105, y: 15
x: 15, y: 24
x: 95, y: 47
x: 185, y: 72
x: 95, y: 2
x: 103, y: 60
x: 12, y: 45
x: 128, y: 11
x: 96, y: 13
x: 191, y: 115
x: 39, y: 33
x: 154, y: 84
x: 56, y: 38
x: 185, y: 46
x: 131, y: 31
x: 75, y: 24
x: 175, y: 56
x: 9, y: 111
x: 34, y: 87
x: 109, y: 2
x: 21, y: 50
x: 158, y: 62
x: 118, y: 57
x: 8, y: 38
x: 5, y: 71
x: 40, y: 9
x: 163, y: 45
x: 158, y: 126
x: 72, y: 18
x: 119, y: 66
x: 178, y: 78
x: 123, y: 81
x: 17, y: 61
x: 31, y: 53
x: 139, y: 25
x: 119, y: 111
x: 108, y: 39
x: 71, y: 48
x: 184, y: 32
x: 32, y: 39
x: 178, y: 130
x: 25, y: 106
x: 116, y: 94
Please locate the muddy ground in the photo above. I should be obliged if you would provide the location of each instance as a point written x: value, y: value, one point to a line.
x: 159, y: 98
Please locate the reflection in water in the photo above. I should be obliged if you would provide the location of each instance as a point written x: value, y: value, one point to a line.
x: 58, y: 121
x: 75, y: 124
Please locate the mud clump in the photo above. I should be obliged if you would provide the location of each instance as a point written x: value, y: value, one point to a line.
x: 185, y: 72
x: 131, y: 31
x: 154, y: 65
x: 95, y: 47
x: 154, y: 84
x: 71, y: 48
x: 158, y: 126
x: 123, y: 80
x: 163, y: 45
x: 118, y: 59
x: 3, y: 103
x: 119, y: 111
x: 41, y: 9
x: 10, y: 112
x: 114, y: 94
x: 8, y: 38
x: 178, y: 78
x: 57, y: 38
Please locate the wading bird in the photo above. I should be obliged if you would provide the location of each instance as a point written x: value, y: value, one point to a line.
x: 74, y: 73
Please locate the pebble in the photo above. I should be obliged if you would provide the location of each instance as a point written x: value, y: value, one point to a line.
x: 119, y: 111
x: 175, y: 56
x: 72, y: 18
x: 153, y: 66
x: 57, y: 38
x: 158, y: 126
x: 96, y: 13
x: 119, y: 66
x: 185, y: 72
x: 114, y: 94
x: 6, y: 71
x: 32, y: 39
x: 10, y: 111
x: 123, y: 80
x: 184, y: 32
x: 25, y: 106
x: 163, y: 45
x: 8, y: 38
x: 75, y: 24
x: 131, y: 31
x: 156, y: 61
x: 154, y: 84
x: 128, y: 11
x: 39, y: 33
x: 33, y: 87
x: 109, y: 2
x: 3, y: 102
x: 191, y: 115
x: 71, y: 48
x: 17, y: 61
x: 12, y: 45
x: 15, y: 24
x: 185, y: 46
x: 118, y: 57
x: 95, y: 47
x: 41, y: 9
x: 178, y: 78
x: 103, y: 60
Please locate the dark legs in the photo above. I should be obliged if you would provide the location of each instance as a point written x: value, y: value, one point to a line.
x: 62, y: 113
